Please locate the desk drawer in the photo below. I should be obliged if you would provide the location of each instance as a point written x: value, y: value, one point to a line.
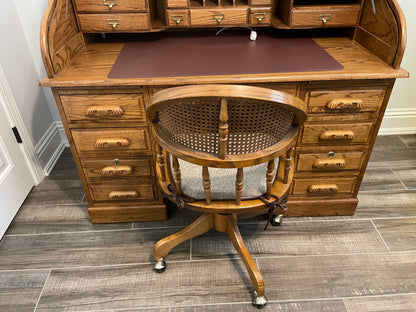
x: 122, y: 192
x: 260, y: 16
x: 219, y: 17
x: 116, y: 168
x: 324, y: 187
x: 329, y: 162
x: 114, y: 140
x: 104, y: 108
x: 336, y: 133
x: 111, y: 6
x: 344, y: 101
x: 127, y: 22
x: 325, y: 16
x: 177, y: 18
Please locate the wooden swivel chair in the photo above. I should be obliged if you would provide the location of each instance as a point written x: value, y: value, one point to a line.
x: 224, y: 126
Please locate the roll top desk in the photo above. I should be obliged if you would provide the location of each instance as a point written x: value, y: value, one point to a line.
x: 105, y: 118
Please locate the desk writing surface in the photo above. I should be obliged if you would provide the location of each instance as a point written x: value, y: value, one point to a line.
x: 92, y: 66
x: 217, y: 55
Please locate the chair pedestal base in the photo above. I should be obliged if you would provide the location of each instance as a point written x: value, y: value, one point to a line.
x: 222, y: 223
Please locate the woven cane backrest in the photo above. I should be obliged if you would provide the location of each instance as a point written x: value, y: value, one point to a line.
x: 252, y: 125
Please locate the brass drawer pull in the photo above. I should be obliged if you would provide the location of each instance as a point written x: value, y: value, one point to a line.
x: 323, y: 188
x: 259, y: 16
x: 337, y: 135
x: 325, y: 18
x: 110, y: 3
x: 111, y: 143
x: 218, y: 17
x: 113, y: 22
x: 329, y: 164
x: 122, y: 170
x: 123, y: 195
x: 350, y: 104
x: 177, y: 18
x: 109, y: 111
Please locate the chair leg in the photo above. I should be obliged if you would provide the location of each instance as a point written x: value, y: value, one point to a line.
x: 259, y: 300
x: 201, y: 225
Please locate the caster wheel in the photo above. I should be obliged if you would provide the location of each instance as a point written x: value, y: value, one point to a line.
x: 160, y: 266
x: 276, y: 220
x: 259, y: 301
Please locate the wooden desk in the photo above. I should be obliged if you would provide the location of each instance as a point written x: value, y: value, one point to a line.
x: 106, y: 125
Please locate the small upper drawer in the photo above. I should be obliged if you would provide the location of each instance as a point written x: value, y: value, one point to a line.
x: 117, y: 168
x: 122, y: 22
x: 219, y: 17
x: 259, y: 2
x: 177, y: 18
x: 104, y: 108
x: 348, y: 101
x: 325, y: 16
x: 260, y: 16
x: 109, y: 6
x: 101, y: 140
x: 336, y: 133
x: 328, y: 162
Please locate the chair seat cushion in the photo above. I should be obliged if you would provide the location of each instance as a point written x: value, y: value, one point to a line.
x: 223, y: 181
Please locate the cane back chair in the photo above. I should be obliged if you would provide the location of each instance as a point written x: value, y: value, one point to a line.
x: 224, y: 126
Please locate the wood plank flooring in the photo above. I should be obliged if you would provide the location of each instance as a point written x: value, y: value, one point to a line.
x: 53, y: 259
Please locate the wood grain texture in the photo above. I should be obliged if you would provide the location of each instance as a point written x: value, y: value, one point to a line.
x: 20, y: 291
x: 340, y: 276
x: 399, y: 234
x: 294, y: 238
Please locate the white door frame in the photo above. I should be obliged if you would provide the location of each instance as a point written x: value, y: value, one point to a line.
x: 16, y: 120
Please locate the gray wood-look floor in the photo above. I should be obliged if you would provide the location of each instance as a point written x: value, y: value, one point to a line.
x: 53, y: 259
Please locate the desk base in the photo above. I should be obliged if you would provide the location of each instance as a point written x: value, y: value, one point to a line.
x: 114, y: 214
x: 315, y: 208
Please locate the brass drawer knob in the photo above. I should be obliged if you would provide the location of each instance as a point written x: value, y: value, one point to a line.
x: 259, y: 16
x: 113, y: 22
x: 337, y: 135
x: 345, y: 104
x: 123, y: 195
x: 323, y: 188
x: 106, y: 111
x: 110, y: 3
x: 218, y: 17
x: 112, y: 143
x: 325, y: 18
x: 177, y: 18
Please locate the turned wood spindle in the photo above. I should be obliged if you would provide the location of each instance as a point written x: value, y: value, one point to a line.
x: 177, y: 175
x: 207, y: 185
x: 223, y: 131
x: 161, y: 162
x: 269, y: 178
x: 288, y: 164
x: 239, y: 184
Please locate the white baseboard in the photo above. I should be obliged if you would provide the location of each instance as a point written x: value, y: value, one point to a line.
x: 399, y: 121
x: 51, y: 146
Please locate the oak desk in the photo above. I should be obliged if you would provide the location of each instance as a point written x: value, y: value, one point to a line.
x: 105, y: 122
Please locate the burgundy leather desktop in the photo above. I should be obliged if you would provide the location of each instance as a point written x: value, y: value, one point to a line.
x: 221, y: 55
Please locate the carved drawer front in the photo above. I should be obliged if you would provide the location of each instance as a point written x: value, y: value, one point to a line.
x: 219, y: 17
x: 122, y: 22
x: 116, y: 168
x: 109, y: 6
x: 260, y: 16
x: 117, y: 192
x: 115, y: 140
x: 345, y: 101
x: 104, y: 108
x: 336, y: 133
x: 325, y: 16
x: 329, y: 162
x: 324, y: 187
x: 177, y: 18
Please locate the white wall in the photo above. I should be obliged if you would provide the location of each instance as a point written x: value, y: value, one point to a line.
x: 400, y: 116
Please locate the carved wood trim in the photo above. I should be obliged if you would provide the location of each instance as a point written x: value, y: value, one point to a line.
x: 161, y: 162
x: 207, y: 185
x: 112, y: 143
x: 176, y: 175
x: 239, y: 184
x: 288, y: 164
x: 103, y: 111
x: 323, y: 188
x: 337, y: 135
x: 269, y: 178
x: 120, y: 170
x: 223, y: 131
x: 345, y: 104
x: 329, y: 164
x: 123, y: 195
